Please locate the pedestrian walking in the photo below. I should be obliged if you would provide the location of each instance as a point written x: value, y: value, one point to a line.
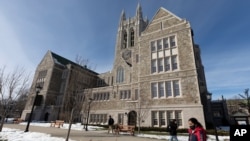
x: 110, y: 124
x: 172, y: 129
x: 196, y: 131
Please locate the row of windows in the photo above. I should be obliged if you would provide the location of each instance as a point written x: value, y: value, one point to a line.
x: 98, y: 118
x: 164, y: 64
x: 163, y: 118
x: 163, y: 43
x: 101, y: 96
x: 125, y: 94
x: 165, y: 89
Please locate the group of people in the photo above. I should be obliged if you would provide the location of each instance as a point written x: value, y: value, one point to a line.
x: 196, y: 130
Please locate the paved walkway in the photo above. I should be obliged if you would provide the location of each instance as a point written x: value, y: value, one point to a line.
x: 79, y: 135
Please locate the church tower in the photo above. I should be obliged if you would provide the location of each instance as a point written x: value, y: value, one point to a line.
x: 126, y: 50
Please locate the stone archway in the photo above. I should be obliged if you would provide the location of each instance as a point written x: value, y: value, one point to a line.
x: 132, y: 117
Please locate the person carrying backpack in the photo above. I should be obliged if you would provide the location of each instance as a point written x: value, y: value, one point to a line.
x: 110, y: 124
x: 172, y: 129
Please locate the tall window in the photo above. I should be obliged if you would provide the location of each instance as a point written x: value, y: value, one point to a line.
x: 132, y: 37
x: 162, y: 118
x: 125, y: 39
x: 120, y: 118
x: 178, y: 118
x: 153, y: 48
x: 174, y: 62
x: 167, y: 64
x: 159, y: 45
x: 176, y: 88
x: 155, y: 117
x: 165, y: 42
x: 161, y: 89
x: 168, y: 88
x: 170, y: 116
x: 160, y: 65
x: 154, y: 89
x: 172, y: 41
x: 120, y: 75
x: 153, y: 68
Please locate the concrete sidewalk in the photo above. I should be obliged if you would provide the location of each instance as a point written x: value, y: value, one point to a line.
x: 75, y: 135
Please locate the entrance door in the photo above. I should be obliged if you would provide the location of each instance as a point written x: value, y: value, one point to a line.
x: 132, y: 116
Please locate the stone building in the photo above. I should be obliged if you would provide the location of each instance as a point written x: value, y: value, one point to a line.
x: 157, y: 75
x: 62, y: 82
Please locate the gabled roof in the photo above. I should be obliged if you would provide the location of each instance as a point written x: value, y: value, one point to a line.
x: 63, y: 61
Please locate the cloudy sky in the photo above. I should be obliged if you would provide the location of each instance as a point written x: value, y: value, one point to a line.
x: 29, y: 28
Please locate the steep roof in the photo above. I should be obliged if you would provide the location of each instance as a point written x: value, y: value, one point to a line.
x: 63, y: 61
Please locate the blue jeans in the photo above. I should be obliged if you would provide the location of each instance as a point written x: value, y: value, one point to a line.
x: 173, y: 138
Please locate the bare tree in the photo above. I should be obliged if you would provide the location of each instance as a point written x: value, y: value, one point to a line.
x: 75, y: 95
x: 246, y: 103
x: 84, y: 62
x: 142, y: 109
x: 13, y: 85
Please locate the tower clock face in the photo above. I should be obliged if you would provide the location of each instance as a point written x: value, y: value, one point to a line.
x: 126, y: 54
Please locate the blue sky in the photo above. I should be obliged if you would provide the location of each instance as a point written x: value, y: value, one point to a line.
x: 29, y: 28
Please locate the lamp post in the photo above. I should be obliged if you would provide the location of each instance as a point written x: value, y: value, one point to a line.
x: 90, y: 100
x: 209, y: 98
x: 38, y: 89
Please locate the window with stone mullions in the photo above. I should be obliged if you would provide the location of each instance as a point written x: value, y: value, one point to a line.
x: 174, y: 62
x: 168, y: 88
x: 155, y: 118
x: 178, y: 118
x: 154, y: 64
x: 154, y: 90
x: 172, y: 41
x: 167, y: 64
x: 159, y: 45
x: 162, y: 118
x: 161, y: 89
x: 165, y: 43
x: 176, y: 88
x: 160, y: 65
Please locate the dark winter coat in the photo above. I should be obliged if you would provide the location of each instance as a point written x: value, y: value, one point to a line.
x: 172, y: 129
x: 198, y: 134
x: 111, y: 121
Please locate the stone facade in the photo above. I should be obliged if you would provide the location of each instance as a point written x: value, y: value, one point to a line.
x: 157, y: 75
x: 131, y: 100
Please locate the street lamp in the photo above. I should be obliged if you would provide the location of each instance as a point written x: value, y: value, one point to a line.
x: 90, y: 100
x: 209, y: 98
x: 38, y: 89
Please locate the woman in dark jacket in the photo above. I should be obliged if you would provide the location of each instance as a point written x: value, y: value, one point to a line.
x: 196, y: 131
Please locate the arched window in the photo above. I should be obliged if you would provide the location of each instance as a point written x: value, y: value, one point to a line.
x: 132, y: 37
x: 125, y: 38
x: 120, y: 75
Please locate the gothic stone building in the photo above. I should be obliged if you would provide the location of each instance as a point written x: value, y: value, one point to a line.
x: 157, y: 76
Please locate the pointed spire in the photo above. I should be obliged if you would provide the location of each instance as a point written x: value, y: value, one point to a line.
x: 139, y: 11
x: 123, y: 16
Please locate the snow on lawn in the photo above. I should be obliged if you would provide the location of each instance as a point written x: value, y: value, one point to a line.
x: 18, y: 135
